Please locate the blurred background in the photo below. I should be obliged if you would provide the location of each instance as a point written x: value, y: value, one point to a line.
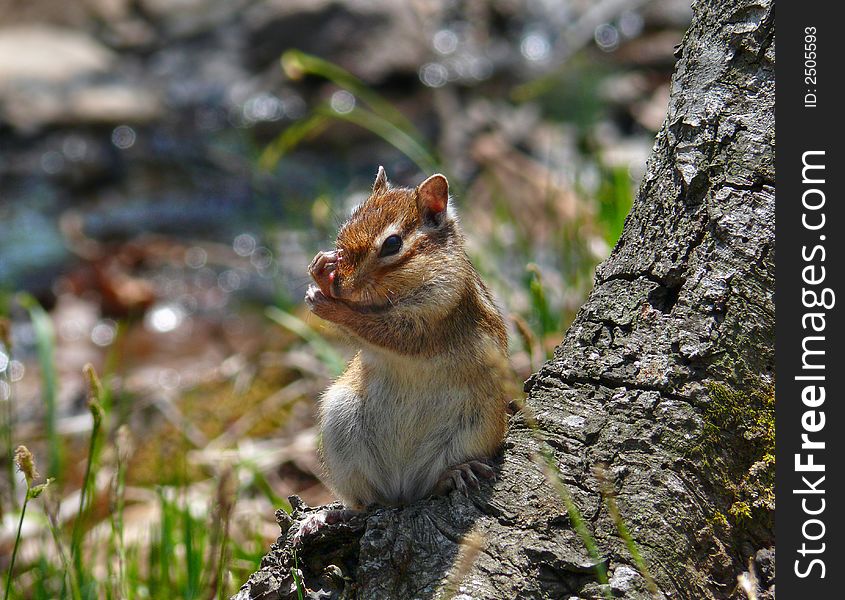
x: 167, y: 170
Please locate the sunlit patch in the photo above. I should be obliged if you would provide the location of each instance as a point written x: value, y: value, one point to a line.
x: 52, y: 162
x: 607, y: 37
x: 123, y: 137
x: 104, y: 332
x: 480, y: 68
x: 445, y: 41
x: 262, y: 258
x: 535, y: 47
x: 5, y: 391
x: 229, y: 281
x: 263, y: 107
x: 71, y: 330
x: 196, y: 257
x: 342, y: 102
x: 164, y: 317
x: 4, y: 362
x: 16, y: 371
x: 434, y: 75
x: 169, y: 379
x: 244, y: 244
x: 74, y: 147
x: 631, y: 23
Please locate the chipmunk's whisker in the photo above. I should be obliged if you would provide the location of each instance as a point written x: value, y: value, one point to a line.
x: 386, y: 293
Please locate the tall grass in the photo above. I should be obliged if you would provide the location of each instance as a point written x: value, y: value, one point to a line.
x: 95, y: 396
x: 117, y: 505
x: 7, y: 411
x: 45, y: 339
x: 187, y: 553
x: 26, y: 465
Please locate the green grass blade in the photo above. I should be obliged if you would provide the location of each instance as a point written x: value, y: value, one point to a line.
x: 328, y: 355
x: 45, y: 339
x: 380, y: 117
x: 296, y: 580
x: 261, y: 483
x: 193, y: 539
x: 546, y: 461
x: 297, y: 63
x: 8, y: 413
x: 389, y: 132
x: 549, y: 323
x: 168, y: 551
x: 290, y: 138
x: 15, y: 549
x: 575, y: 517
x: 95, y: 396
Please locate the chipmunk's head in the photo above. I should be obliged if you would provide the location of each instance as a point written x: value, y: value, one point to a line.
x: 398, y: 243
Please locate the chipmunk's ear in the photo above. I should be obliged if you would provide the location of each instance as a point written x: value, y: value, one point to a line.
x: 380, y: 185
x: 433, y: 198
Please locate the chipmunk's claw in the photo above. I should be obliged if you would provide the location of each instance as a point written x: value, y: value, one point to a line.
x: 464, y: 476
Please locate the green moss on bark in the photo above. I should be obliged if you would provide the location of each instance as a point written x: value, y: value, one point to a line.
x: 737, y: 446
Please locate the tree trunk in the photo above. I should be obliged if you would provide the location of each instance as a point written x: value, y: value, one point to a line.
x: 665, y: 378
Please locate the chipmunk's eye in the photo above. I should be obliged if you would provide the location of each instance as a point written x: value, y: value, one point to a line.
x: 391, y: 246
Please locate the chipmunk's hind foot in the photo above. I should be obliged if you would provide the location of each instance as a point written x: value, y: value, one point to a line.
x: 464, y: 476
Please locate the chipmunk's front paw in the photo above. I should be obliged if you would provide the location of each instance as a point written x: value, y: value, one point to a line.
x: 322, y: 270
x: 320, y: 304
x: 464, y: 476
x: 314, y: 297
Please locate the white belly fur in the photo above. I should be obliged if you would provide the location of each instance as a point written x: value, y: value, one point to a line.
x: 392, y: 443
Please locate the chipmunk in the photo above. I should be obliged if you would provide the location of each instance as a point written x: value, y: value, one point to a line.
x: 421, y: 408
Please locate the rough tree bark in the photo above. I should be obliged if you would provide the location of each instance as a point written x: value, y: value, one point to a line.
x: 664, y: 377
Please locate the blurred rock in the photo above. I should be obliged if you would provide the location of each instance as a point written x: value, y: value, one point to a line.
x: 668, y: 13
x: 650, y: 112
x: 372, y: 38
x: 41, y: 54
x: 113, y: 103
x: 67, y: 13
x: 31, y: 249
x: 188, y: 17
x: 624, y: 88
x: 110, y: 10
x: 656, y: 49
x: 50, y: 75
x: 31, y: 107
